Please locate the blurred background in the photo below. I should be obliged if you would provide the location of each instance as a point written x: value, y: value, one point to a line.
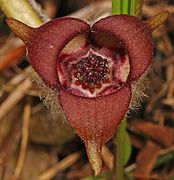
x: 36, y: 142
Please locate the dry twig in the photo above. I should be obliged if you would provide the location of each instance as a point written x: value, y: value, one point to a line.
x: 24, y: 142
x: 14, y: 98
x: 60, y: 166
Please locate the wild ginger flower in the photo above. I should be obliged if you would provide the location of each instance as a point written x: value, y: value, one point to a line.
x: 92, y: 69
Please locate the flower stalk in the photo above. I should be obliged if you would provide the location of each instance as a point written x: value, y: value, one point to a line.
x: 119, y: 141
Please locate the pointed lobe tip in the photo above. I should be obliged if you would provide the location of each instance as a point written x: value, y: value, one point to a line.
x: 95, y: 157
x: 23, y: 31
x: 158, y: 20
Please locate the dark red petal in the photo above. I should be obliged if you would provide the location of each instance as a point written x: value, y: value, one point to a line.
x: 95, y: 119
x: 48, y: 41
x: 135, y: 36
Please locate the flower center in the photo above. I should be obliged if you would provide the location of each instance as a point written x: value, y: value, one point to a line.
x: 91, y: 72
x: 94, y: 73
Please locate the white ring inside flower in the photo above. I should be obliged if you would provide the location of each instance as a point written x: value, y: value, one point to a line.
x: 95, y: 73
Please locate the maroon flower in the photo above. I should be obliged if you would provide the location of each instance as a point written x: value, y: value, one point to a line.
x: 92, y: 68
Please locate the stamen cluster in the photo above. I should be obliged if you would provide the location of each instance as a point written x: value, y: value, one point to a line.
x: 91, y: 72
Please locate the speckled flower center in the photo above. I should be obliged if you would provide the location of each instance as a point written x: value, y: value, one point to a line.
x: 91, y: 70
x: 93, y: 73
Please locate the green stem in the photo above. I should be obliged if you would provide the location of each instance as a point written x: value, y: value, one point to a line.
x: 119, y: 141
x: 125, y: 7
x: 116, y: 6
x: 131, y: 7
